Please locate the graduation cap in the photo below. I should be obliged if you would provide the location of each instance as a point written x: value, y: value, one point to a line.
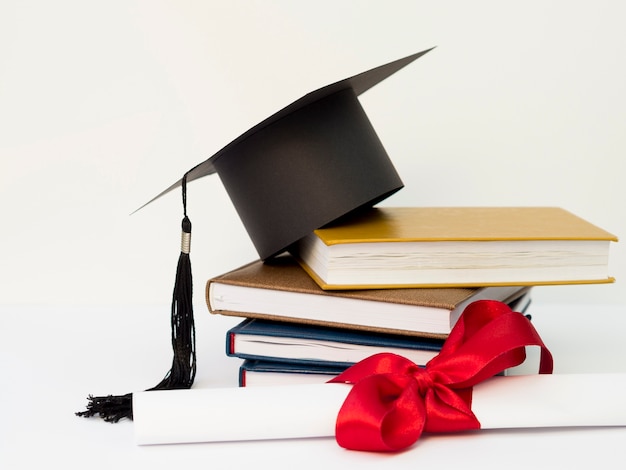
x: 311, y: 163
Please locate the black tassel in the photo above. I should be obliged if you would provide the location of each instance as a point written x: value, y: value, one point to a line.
x: 183, y: 371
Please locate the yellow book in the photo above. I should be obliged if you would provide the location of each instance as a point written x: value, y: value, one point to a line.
x: 395, y: 247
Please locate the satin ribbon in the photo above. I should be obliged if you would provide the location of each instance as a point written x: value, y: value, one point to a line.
x: 393, y: 400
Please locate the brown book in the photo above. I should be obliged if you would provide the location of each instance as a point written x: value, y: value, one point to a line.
x: 279, y: 289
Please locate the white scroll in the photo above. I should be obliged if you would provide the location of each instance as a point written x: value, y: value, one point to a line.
x: 300, y: 411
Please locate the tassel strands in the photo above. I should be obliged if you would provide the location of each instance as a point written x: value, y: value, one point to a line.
x: 183, y: 370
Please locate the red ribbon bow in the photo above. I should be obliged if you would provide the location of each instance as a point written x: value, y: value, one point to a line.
x: 393, y: 400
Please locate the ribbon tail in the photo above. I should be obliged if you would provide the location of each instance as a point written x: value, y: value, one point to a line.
x: 449, y: 410
x: 381, y: 413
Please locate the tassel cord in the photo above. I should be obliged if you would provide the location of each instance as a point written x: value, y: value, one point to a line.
x: 183, y: 370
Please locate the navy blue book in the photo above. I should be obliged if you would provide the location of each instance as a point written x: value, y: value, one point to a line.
x: 310, y: 344
x: 254, y: 373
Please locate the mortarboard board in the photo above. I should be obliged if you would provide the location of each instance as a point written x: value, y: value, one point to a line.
x: 312, y: 162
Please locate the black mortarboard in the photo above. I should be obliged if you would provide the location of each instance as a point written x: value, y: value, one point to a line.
x: 305, y: 166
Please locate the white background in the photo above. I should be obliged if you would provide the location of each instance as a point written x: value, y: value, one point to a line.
x: 104, y: 104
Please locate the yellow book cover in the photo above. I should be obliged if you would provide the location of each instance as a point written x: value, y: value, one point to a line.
x: 456, y: 246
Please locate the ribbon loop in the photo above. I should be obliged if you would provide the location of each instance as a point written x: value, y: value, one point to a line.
x: 393, y: 400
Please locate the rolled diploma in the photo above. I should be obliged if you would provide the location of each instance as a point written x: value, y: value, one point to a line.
x: 301, y: 411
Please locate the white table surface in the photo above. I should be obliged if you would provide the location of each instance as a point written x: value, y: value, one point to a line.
x: 51, y: 358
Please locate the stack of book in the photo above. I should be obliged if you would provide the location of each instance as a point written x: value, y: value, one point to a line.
x: 395, y: 280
